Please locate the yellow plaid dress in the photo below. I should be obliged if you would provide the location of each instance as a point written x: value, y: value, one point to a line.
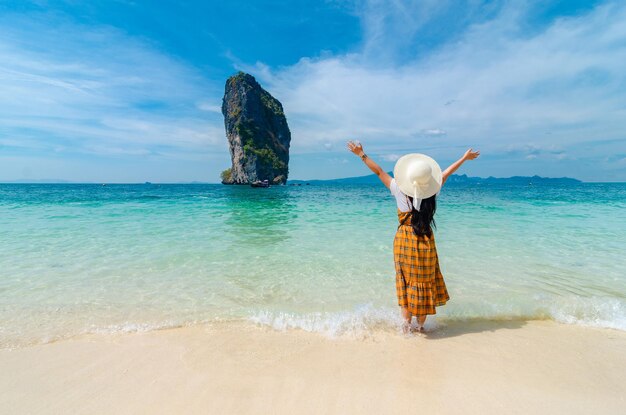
x: 419, y: 283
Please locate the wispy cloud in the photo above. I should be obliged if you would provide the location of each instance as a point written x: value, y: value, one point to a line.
x: 77, y: 89
x: 430, y: 76
x: 434, y: 132
x: 560, y: 84
x: 391, y: 25
x: 532, y: 151
x: 390, y: 157
x: 210, y: 107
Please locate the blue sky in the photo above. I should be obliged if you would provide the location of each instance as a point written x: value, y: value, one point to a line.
x: 130, y: 91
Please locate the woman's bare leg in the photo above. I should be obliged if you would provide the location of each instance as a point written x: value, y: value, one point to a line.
x: 420, y: 322
x: 406, y: 315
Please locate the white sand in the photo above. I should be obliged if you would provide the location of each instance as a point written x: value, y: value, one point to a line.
x: 483, y: 368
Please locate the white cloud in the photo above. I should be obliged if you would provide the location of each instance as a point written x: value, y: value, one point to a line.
x: 71, y: 88
x: 549, y: 93
x: 207, y: 106
x: 391, y: 25
x: 435, y: 132
x: 390, y: 157
x: 338, y: 160
x: 563, y: 83
x: 532, y: 151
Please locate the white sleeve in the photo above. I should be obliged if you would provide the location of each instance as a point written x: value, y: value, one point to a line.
x: 393, y: 187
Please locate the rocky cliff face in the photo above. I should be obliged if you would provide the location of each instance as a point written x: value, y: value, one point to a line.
x: 257, y: 132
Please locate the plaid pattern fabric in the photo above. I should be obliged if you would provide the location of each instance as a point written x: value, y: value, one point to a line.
x: 419, y: 283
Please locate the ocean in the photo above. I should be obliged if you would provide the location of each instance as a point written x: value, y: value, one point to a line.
x: 84, y: 258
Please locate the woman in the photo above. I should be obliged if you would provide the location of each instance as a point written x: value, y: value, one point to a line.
x: 416, y: 183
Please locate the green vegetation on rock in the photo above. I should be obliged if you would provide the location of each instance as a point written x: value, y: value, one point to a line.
x: 263, y: 151
x: 226, y: 175
x: 271, y: 104
x: 268, y: 156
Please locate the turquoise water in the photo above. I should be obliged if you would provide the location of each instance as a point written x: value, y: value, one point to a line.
x: 90, y: 258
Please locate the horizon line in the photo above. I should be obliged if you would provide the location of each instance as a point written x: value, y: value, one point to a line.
x: 61, y: 181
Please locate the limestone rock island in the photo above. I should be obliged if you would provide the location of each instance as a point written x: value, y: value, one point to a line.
x: 257, y: 132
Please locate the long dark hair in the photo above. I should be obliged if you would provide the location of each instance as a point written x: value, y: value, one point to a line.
x: 423, y: 221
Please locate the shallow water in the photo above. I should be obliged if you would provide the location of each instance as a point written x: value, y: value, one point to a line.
x: 90, y: 258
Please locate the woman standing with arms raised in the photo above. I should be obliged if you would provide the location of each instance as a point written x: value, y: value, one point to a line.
x: 416, y: 183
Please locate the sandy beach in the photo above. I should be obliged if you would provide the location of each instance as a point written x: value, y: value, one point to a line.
x: 481, y: 367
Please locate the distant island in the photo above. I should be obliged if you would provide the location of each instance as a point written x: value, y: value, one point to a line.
x: 460, y: 179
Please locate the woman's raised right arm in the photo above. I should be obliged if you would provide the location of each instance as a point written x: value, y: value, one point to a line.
x: 356, y: 148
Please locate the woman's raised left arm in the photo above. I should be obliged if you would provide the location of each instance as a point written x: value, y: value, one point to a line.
x: 356, y: 148
x: 469, y: 155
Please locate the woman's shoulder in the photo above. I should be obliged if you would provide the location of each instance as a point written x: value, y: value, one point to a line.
x: 393, y: 187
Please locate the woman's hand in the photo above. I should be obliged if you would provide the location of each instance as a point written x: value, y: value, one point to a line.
x: 355, y: 147
x: 471, y: 155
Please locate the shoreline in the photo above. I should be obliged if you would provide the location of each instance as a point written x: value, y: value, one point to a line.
x: 472, y: 367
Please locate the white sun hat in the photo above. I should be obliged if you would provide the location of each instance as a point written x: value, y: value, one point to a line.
x: 418, y: 176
